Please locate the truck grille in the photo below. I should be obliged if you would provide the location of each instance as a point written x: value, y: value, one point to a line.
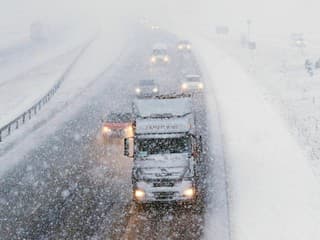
x: 164, y: 195
x: 163, y: 184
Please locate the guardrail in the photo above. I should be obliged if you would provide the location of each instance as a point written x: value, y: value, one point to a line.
x: 32, y: 111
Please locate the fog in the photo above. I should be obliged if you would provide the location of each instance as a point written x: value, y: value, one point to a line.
x: 268, y: 17
x: 63, y: 177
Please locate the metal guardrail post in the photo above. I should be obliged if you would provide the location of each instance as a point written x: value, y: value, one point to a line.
x: 9, y: 129
x: 0, y: 136
x: 17, y: 124
x: 23, y: 118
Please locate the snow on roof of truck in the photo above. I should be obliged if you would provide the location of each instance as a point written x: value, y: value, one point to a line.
x: 163, y: 107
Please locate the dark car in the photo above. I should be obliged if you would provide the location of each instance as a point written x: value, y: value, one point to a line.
x: 147, y: 88
x: 117, y: 125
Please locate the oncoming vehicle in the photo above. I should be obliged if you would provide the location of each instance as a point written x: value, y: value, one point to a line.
x: 147, y: 88
x: 167, y: 151
x: 159, y: 54
x: 192, y: 83
x: 184, y: 45
x: 155, y: 27
x: 298, y: 40
x: 117, y: 125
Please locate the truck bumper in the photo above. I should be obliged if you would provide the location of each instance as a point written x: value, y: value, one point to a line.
x: 184, y: 191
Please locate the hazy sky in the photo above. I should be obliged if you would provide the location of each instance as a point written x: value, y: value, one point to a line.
x: 267, y: 16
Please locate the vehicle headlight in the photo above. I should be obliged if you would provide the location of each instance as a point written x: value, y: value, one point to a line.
x: 200, y: 86
x: 153, y: 59
x: 180, y: 47
x: 155, y: 90
x: 105, y: 129
x: 189, y: 46
x: 139, y: 194
x: 184, y: 86
x: 166, y: 59
x: 129, y: 129
x: 189, y: 192
x: 138, y: 90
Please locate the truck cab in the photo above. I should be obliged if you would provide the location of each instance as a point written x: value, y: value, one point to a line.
x: 166, y: 151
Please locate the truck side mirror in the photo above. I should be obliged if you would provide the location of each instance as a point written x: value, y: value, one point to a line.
x: 127, y: 148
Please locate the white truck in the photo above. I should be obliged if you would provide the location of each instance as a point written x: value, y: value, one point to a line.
x: 166, y: 149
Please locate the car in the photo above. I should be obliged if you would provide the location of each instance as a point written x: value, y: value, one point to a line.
x: 159, y: 54
x: 117, y: 125
x: 147, y: 88
x: 155, y: 27
x: 184, y: 45
x: 192, y: 83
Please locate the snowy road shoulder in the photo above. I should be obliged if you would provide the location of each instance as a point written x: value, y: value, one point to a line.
x: 272, y: 191
x: 97, y: 59
x: 22, y: 92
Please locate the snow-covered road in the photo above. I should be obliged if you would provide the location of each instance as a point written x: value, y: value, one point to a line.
x: 20, y: 93
x: 72, y: 179
x: 261, y: 183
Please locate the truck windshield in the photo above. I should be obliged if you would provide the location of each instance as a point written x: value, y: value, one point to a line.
x: 163, y: 145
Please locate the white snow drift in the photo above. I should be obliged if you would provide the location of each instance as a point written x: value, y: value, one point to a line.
x: 273, y: 193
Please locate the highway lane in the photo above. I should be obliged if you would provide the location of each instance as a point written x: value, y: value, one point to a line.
x: 73, y: 186
x: 55, y: 192
x: 162, y: 221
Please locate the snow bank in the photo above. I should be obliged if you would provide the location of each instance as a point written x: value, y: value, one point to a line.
x: 273, y: 193
x: 20, y: 56
x: 75, y: 91
x: 22, y: 92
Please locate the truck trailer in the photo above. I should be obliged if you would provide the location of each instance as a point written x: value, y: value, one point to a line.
x: 166, y: 150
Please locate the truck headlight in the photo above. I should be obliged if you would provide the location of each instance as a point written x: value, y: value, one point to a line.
x: 105, y: 129
x: 138, y: 90
x: 139, y: 194
x: 184, y: 86
x: 129, y: 130
x: 153, y: 59
x: 166, y: 59
x: 155, y: 90
x: 200, y: 85
x: 180, y: 47
x: 189, y: 46
x: 189, y: 192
